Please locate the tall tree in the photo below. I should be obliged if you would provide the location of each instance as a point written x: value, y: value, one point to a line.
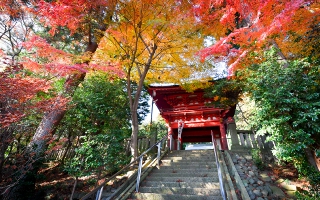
x: 153, y: 41
x: 85, y: 18
x: 20, y: 90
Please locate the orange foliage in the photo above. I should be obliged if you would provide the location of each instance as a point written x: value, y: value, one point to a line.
x: 70, y: 13
x: 17, y: 93
x: 244, y: 26
x: 154, y: 41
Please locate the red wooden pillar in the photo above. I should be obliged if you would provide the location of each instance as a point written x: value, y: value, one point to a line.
x: 223, y: 141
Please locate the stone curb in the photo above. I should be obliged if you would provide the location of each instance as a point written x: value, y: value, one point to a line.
x: 229, y: 185
x: 233, y: 172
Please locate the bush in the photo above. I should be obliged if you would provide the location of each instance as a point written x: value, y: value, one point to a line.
x: 257, y: 158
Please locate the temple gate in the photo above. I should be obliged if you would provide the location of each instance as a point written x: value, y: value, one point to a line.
x: 189, y: 116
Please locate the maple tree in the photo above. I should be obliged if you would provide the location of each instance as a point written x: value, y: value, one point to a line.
x: 153, y: 41
x: 20, y: 90
x: 19, y: 99
x: 81, y: 22
x: 272, y: 53
x: 68, y: 20
x: 245, y: 27
x: 79, y: 17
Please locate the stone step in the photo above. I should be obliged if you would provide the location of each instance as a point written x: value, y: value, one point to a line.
x: 192, y: 151
x: 191, y: 155
x: 183, y: 170
x: 153, y: 196
x: 182, y: 175
x: 184, y: 179
x: 161, y: 184
x: 197, y: 166
x: 177, y: 158
x: 178, y: 190
x: 191, y: 162
x: 187, y: 165
x: 193, y: 174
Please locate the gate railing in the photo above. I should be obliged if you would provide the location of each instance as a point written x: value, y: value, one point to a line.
x: 97, y: 192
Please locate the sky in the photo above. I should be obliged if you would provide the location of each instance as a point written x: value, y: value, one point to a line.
x: 155, y: 114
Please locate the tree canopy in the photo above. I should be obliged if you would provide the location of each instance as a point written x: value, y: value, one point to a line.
x: 152, y: 41
x: 242, y: 28
x: 270, y: 47
x: 48, y: 49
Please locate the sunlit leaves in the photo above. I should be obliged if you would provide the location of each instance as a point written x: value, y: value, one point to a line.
x: 17, y: 94
x: 249, y: 26
x: 143, y: 26
x: 287, y: 99
x: 71, y: 14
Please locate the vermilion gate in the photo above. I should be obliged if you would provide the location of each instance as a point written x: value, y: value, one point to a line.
x: 193, y: 113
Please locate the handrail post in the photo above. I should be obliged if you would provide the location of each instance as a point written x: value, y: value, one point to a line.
x: 99, y: 189
x: 159, y: 152
x: 139, y: 173
x: 99, y: 193
x: 218, y: 167
x: 171, y: 143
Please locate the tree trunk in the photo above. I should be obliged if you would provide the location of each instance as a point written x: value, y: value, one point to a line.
x: 312, y: 159
x: 317, y: 160
x: 6, y: 136
x: 36, y: 148
x: 53, y: 117
x: 134, y: 136
x: 134, y: 120
x: 134, y: 102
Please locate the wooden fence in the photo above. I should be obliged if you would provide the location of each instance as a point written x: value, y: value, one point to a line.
x: 58, y: 154
x: 143, y: 144
x: 250, y: 140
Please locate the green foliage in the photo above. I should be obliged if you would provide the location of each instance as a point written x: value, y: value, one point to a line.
x: 314, y: 178
x: 102, y: 152
x: 257, y: 158
x: 224, y: 91
x: 64, y: 39
x: 101, y: 104
x: 288, y: 106
x: 244, y: 114
x: 100, y: 119
x: 159, y: 128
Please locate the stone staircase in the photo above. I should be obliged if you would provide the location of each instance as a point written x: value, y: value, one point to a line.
x: 182, y: 175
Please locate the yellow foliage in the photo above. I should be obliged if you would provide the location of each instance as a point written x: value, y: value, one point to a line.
x: 152, y: 40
